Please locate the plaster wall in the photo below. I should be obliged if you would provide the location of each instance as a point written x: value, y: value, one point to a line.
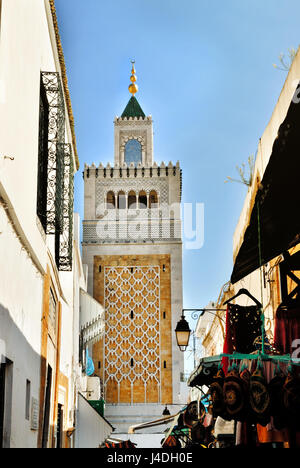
x: 92, y: 429
x: 27, y: 47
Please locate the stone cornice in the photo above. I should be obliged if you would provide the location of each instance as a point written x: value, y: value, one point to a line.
x: 119, y: 121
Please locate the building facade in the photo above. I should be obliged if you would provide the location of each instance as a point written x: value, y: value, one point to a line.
x: 133, y: 248
x: 41, y: 270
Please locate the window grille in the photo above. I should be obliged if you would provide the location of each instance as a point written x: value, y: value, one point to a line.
x: 64, y: 237
x: 56, y: 170
x: 51, y: 162
x: 43, y: 158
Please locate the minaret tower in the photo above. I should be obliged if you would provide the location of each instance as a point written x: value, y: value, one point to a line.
x: 133, y: 248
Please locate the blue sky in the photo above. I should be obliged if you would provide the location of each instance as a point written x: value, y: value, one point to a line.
x: 205, y: 74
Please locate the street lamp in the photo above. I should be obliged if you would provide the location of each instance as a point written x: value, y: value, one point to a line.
x: 183, y: 333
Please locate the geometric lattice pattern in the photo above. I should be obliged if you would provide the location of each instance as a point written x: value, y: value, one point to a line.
x: 119, y: 232
x: 126, y: 185
x: 132, y: 336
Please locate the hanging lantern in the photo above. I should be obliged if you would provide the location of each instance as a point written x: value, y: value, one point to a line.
x: 183, y: 333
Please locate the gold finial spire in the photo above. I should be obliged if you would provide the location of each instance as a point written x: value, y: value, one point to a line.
x: 133, y: 87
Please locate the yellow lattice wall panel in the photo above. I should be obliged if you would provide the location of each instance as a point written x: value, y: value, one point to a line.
x: 135, y: 358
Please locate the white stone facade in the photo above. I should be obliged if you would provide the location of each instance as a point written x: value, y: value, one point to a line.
x: 134, y: 128
x: 29, y: 45
x: 147, y: 230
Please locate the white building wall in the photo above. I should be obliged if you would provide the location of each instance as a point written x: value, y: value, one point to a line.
x: 25, y: 51
x: 20, y: 308
x: 27, y: 47
x: 92, y: 430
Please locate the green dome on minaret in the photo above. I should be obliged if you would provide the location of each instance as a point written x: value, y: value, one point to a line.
x: 133, y: 109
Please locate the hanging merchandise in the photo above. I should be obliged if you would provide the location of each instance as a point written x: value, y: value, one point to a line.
x: 269, y: 348
x: 119, y: 445
x: 216, y: 392
x: 235, y: 397
x: 244, y: 327
x: 90, y: 369
x: 171, y: 441
x: 276, y: 392
x: 257, y: 394
x: 193, y: 413
x: 198, y: 433
x: 287, y: 327
x: 224, y: 433
x: 291, y: 399
x: 260, y: 401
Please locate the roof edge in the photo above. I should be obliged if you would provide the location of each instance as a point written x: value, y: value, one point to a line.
x: 64, y: 78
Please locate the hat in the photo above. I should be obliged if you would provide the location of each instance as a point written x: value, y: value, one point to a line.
x: 216, y: 392
x: 193, y: 413
x: 234, y: 395
x: 259, y: 397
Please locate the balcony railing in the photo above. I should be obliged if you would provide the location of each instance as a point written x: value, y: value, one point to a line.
x: 59, y: 174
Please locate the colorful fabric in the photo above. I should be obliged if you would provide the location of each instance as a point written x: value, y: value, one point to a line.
x: 266, y: 437
x: 287, y: 329
x: 171, y: 441
x: 243, y: 328
x: 120, y: 445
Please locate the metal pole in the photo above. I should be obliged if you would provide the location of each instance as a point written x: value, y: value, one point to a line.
x: 194, y: 348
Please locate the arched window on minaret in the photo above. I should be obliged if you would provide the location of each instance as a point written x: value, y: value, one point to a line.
x: 121, y: 201
x: 110, y: 201
x: 132, y: 200
x: 153, y: 199
x: 142, y: 200
x: 133, y: 152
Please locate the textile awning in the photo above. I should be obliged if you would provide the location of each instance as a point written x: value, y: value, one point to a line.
x: 205, y: 372
x: 279, y: 202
